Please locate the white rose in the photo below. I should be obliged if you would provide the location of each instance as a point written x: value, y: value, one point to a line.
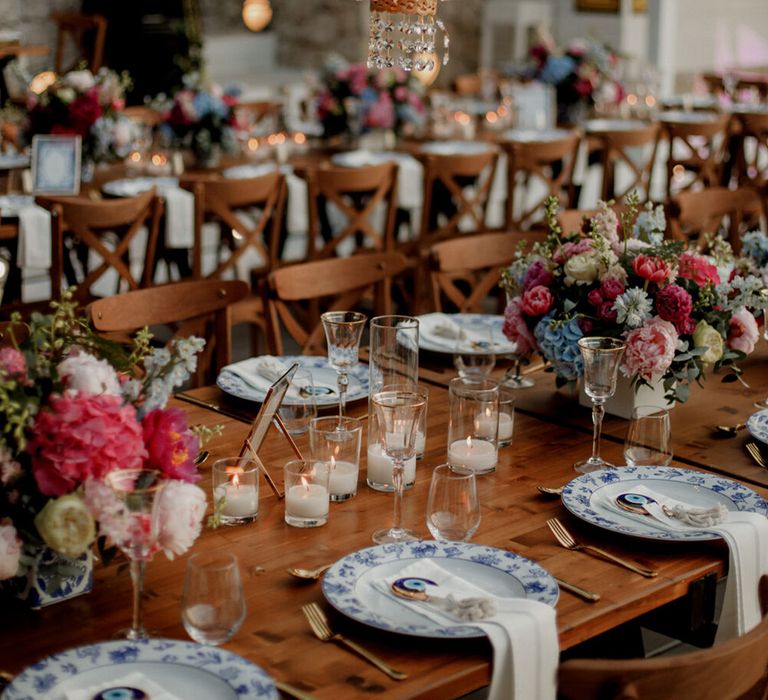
x: 582, y: 268
x: 66, y: 525
x: 10, y: 549
x: 180, y: 516
x: 80, y: 80
x: 85, y: 373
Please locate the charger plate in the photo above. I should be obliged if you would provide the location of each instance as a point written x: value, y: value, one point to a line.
x: 757, y: 424
x: 582, y: 495
x: 187, y: 670
x: 348, y: 584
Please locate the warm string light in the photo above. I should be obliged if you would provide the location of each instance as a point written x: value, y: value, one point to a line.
x: 257, y: 14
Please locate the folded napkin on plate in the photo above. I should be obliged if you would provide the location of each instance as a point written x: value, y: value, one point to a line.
x: 34, y: 237
x: 179, y: 217
x: 261, y: 372
x: 133, y: 680
x: 522, y: 632
x: 442, y: 329
x: 746, y: 535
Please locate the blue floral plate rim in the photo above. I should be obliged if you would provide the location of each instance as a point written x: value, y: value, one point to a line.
x: 757, y: 424
x: 347, y: 584
x: 689, y: 485
x: 44, y: 678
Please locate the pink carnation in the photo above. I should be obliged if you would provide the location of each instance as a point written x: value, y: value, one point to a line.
x: 82, y: 436
x: 12, y: 363
x: 537, y: 274
x: 537, y: 301
x: 742, y: 331
x: 651, y: 268
x: 698, y: 269
x: 650, y: 349
x: 180, y: 516
x: 674, y: 304
x: 10, y: 550
x: 172, y: 447
x: 516, y: 329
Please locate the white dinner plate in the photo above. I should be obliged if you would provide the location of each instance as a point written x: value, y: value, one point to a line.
x: 582, y: 497
x: 244, y: 172
x: 688, y: 117
x: 348, y: 584
x: 358, y: 159
x: 428, y: 340
x: 597, y: 125
x: 187, y: 670
x: 535, y: 135
x: 131, y: 186
x: 757, y: 424
x: 323, y: 375
x: 456, y: 148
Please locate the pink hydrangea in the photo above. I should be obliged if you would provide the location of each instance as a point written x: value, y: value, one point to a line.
x: 698, y: 269
x: 651, y: 268
x: 10, y: 550
x: 171, y: 446
x: 742, y: 331
x: 568, y: 250
x: 12, y: 363
x: 180, y: 516
x: 674, y: 304
x: 537, y: 301
x: 650, y: 349
x: 537, y: 274
x: 80, y: 436
x: 516, y: 329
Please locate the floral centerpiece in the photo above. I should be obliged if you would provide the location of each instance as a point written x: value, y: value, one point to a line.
x: 88, y: 105
x: 75, y: 408
x: 623, y: 279
x: 353, y: 100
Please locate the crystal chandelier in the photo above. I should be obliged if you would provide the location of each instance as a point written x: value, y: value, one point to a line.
x: 404, y: 34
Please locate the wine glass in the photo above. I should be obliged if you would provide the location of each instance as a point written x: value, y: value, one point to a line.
x: 453, y: 510
x: 136, y: 531
x: 601, y: 363
x: 212, y: 603
x: 513, y: 376
x: 398, y: 413
x: 343, y: 330
x: 764, y: 294
x: 648, y: 440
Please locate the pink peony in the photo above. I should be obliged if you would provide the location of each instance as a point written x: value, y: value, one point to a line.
x: 180, y: 515
x: 82, y: 436
x: 10, y: 550
x: 516, y: 329
x: 674, y: 304
x: 651, y: 268
x: 650, y: 349
x: 742, y: 331
x: 698, y: 269
x: 537, y: 274
x: 171, y: 445
x: 537, y: 301
x: 612, y: 288
x: 12, y: 363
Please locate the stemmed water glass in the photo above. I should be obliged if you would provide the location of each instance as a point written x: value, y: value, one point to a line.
x: 136, y: 530
x: 398, y: 413
x: 343, y: 330
x: 514, y: 378
x: 601, y: 363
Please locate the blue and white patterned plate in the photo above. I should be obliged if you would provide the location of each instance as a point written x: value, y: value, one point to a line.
x: 472, y: 322
x: 348, y: 584
x: 757, y: 424
x: 187, y: 670
x: 322, y: 373
x: 582, y: 497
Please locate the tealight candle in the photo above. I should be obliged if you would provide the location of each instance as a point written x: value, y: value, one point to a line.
x: 380, y: 468
x: 335, y: 442
x: 477, y: 455
x: 307, y: 501
x: 307, y: 498
x: 343, y: 479
x: 240, y: 501
x: 236, y: 489
x: 485, y: 425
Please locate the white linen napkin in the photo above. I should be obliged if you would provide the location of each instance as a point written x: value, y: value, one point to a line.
x: 443, y: 330
x: 179, y: 217
x: 523, y: 632
x: 133, y: 680
x: 34, y: 237
x: 746, y: 535
x: 260, y: 373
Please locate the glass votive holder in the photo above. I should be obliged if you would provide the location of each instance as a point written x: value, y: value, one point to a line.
x: 473, y: 424
x: 506, y: 415
x: 421, y: 429
x: 236, y: 489
x: 336, y: 441
x: 307, y: 500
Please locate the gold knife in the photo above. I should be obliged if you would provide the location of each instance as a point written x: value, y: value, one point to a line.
x: 181, y: 396
x: 292, y: 691
x: 576, y: 590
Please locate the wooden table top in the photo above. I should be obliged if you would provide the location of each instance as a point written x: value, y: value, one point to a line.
x: 275, y: 634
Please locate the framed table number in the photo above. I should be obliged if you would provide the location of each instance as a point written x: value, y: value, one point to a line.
x: 55, y: 164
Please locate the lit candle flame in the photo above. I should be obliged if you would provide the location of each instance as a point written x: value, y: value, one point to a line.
x: 469, y: 442
x: 236, y: 481
x: 333, y: 462
x: 304, y: 483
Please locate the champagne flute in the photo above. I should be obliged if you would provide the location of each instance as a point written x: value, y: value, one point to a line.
x: 601, y: 364
x: 138, y: 491
x: 398, y: 413
x: 343, y: 330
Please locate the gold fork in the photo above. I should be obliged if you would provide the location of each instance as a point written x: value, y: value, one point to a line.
x: 319, y: 624
x: 566, y: 539
x: 754, y: 451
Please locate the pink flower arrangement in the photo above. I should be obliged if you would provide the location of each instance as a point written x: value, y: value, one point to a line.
x: 743, y: 332
x: 171, y: 447
x: 650, y: 349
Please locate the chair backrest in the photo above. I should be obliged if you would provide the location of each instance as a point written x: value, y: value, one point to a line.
x: 336, y: 283
x: 693, y: 215
x: 199, y: 307
x: 86, y: 32
x: 466, y: 271
x: 366, y: 199
x: 753, y: 152
x: 551, y: 163
x: 12, y: 333
x: 222, y: 200
x: 696, y: 148
x: 724, y: 672
x: 93, y: 223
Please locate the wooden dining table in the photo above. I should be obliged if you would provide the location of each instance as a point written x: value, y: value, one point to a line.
x: 275, y: 634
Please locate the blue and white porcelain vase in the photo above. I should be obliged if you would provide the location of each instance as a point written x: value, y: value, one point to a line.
x: 52, y: 578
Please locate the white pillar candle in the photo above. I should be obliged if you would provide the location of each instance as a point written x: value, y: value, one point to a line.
x: 307, y: 501
x: 343, y: 480
x: 380, y: 467
x: 485, y: 425
x: 506, y: 426
x: 473, y: 455
x: 240, y: 500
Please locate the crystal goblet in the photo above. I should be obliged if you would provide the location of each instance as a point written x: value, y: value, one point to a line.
x: 343, y: 330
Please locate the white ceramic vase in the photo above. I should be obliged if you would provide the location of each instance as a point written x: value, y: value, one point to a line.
x: 626, y: 398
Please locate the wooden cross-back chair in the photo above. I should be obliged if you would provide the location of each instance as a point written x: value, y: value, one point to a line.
x: 196, y: 307
x: 86, y: 32
x: 91, y: 223
x: 336, y: 283
x: 549, y: 161
x: 701, y: 147
x: 13, y: 333
x: 752, y: 157
x: 466, y: 271
x: 359, y: 194
x: 693, y: 215
x: 734, y: 669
